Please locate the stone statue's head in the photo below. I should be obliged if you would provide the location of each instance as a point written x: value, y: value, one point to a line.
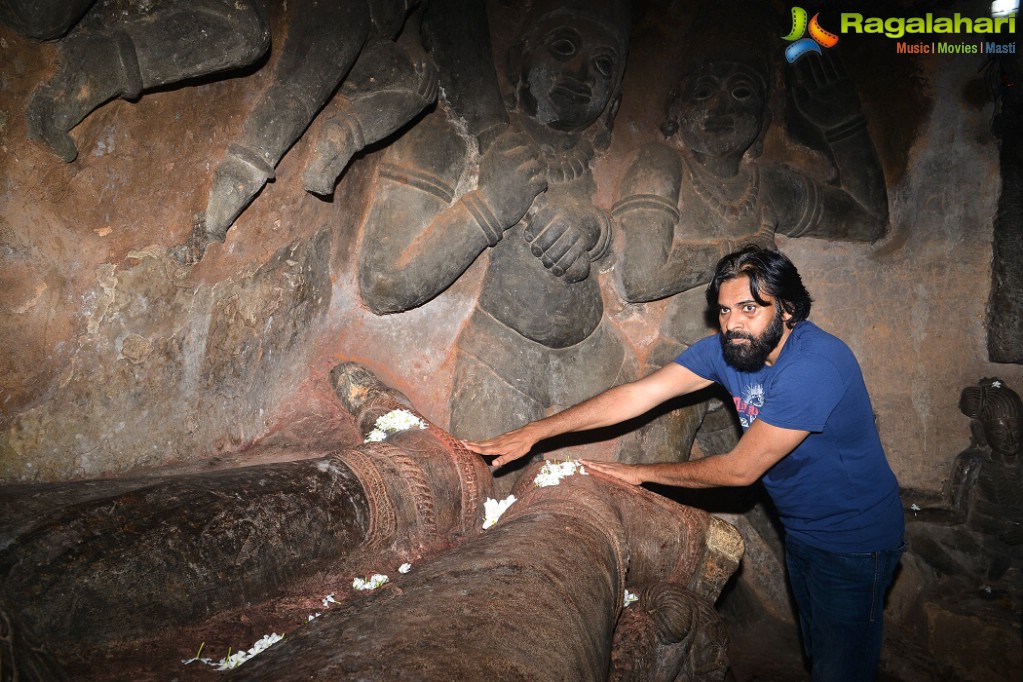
x: 567, y: 66
x: 719, y: 106
x: 720, y: 109
x: 999, y: 411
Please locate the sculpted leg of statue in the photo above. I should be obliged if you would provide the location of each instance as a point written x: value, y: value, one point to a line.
x: 43, y: 19
x: 124, y: 57
x: 324, y: 40
x: 537, y: 596
x: 172, y: 551
x: 389, y: 85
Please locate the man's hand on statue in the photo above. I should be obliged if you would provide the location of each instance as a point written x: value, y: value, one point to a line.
x: 511, y: 176
x: 823, y: 92
x: 629, y: 473
x: 508, y: 446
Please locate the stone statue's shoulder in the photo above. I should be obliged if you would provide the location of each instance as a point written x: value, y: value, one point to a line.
x: 435, y: 144
x: 655, y: 168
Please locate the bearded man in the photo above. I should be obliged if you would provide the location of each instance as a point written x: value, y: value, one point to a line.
x: 808, y: 432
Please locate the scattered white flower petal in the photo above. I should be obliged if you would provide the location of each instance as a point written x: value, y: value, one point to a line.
x: 328, y: 600
x: 392, y: 422
x: 236, y: 659
x: 374, y: 581
x: 405, y: 568
x: 630, y: 597
x: 493, y: 509
x: 551, y: 473
x: 313, y: 616
x: 914, y: 507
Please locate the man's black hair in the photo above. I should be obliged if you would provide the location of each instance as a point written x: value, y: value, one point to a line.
x: 770, y: 273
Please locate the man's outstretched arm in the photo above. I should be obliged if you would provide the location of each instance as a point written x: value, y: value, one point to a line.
x: 613, y: 406
x: 757, y: 451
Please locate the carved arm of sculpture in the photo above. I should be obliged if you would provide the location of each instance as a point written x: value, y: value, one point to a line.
x: 418, y: 239
x: 855, y: 206
x: 657, y: 262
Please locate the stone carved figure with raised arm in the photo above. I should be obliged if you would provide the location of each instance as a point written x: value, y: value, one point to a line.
x: 372, y: 47
x: 103, y: 55
x: 706, y: 189
x: 537, y: 332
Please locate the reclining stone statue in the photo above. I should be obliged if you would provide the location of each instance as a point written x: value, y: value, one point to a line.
x: 100, y: 571
x: 541, y: 595
x: 118, y: 561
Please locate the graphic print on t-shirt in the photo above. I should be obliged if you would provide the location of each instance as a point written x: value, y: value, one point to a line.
x: 748, y: 406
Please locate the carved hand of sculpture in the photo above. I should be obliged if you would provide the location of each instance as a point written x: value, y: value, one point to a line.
x: 567, y: 236
x: 824, y: 94
x: 510, y: 177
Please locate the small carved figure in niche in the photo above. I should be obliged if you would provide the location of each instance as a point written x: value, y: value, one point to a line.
x: 693, y: 198
x: 985, y: 492
x: 537, y: 336
x: 388, y: 80
x: 106, y: 56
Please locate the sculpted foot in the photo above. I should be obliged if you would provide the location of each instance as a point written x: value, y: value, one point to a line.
x: 42, y: 126
x: 93, y: 69
x: 239, y: 178
x: 340, y: 141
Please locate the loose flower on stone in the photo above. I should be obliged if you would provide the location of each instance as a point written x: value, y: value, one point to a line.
x: 371, y: 583
x: 551, y: 473
x: 393, y: 422
x: 494, y: 508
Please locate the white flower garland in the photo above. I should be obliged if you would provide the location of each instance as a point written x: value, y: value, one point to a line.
x: 393, y: 422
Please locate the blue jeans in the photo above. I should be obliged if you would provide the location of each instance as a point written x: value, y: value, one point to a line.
x: 840, y: 598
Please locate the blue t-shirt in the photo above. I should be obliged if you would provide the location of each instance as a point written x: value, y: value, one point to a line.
x: 835, y: 491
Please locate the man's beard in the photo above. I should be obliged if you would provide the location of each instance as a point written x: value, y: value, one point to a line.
x: 750, y: 356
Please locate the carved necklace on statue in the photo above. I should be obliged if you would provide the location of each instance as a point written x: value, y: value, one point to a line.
x: 565, y: 165
x: 565, y: 156
x: 724, y: 196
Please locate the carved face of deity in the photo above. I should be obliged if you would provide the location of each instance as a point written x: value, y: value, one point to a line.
x: 1004, y: 436
x: 571, y: 74
x: 722, y: 109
